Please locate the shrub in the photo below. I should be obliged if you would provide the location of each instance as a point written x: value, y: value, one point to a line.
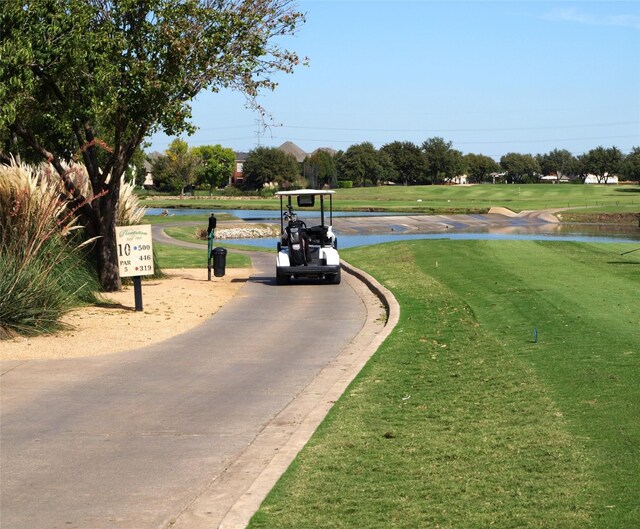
x: 347, y: 184
x: 43, y: 270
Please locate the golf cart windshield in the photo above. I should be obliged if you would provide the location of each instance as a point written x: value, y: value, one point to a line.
x: 306, y: 198
x: 306, y: 201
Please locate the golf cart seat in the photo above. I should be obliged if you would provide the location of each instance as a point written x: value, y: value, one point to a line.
x: 318, y: 234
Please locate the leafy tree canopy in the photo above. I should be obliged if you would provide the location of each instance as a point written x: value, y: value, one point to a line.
x: 602, y: 162
x: 442, y: 161
x: 406, y: 160
x: 559, y: 162
x: 216, y: 165
x: 270, y: 165
x: 520, y: 168
x: 362, y: 164
x: 177, y: 169
x: 480, y: 167
x: 90, y: 79
x: 630, y: 168
x: 319, y: 169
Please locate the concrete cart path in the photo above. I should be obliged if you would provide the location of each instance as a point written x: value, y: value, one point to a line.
x: 191, y: 432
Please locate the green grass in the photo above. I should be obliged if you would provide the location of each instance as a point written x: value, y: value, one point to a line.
x: 172, y: 256
x: 461, y: 419
x: 482, y: 197
x: 456, y: 199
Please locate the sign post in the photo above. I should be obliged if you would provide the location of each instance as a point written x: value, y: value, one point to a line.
x: 210, y: 235
x: 135, y: 255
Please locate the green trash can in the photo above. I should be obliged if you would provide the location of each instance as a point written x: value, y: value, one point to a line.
x: 219, y: 261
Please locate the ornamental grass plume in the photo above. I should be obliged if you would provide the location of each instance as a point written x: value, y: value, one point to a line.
x: 129, y: 210
x: 43, y: 270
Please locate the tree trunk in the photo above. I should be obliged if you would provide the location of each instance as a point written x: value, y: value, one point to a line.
x: 104, y: 225
x: 106, y: 252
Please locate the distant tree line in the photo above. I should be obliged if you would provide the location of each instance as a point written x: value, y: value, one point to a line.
x: 399, y: 162
x: 433, y: 162
x: 181, y: 169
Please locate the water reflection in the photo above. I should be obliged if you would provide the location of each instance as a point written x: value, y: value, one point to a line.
x: 257, y: 215
x: 502, y: 234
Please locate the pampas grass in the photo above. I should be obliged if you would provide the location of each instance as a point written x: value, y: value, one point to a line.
x: 43, y: 270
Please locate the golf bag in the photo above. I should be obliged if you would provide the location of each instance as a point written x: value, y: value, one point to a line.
x: 299, y: 253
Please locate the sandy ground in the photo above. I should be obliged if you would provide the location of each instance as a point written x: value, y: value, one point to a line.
x: 170, y: 306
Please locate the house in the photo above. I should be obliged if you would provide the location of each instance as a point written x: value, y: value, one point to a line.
x: 237, y: 178
x: 554, y: 179
x: 593, y: 179
x: 148, y: 175
x: 148, y: 170
x: 459, y: 180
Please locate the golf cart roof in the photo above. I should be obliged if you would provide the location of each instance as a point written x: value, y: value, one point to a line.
x: 305, y: 192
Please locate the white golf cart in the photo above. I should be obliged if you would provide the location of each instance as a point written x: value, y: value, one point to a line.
x: 306, y: 251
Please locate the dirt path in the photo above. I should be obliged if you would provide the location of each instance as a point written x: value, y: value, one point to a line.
x: 171, y: 306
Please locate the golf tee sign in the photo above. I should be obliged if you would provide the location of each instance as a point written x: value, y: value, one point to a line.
x: 135, y: 250
x: 135, y: 255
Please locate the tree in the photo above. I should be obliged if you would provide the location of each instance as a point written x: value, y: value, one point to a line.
x: 603, y: 162
x: 480, y: 167
x: 406, y: 160
x: 558, y: 162
x: 319, y: 169
x: 520, y: 168
x: 441, y: 161
x: 630, y: 168
x: 176, y: 170
x: 270, y: 165
x: 216, y: 165
x: 90, y: 79
x: 361, y: 164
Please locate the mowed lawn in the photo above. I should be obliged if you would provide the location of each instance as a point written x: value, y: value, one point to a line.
x: 450, y: 199
x: 479, y: 198
x: 507, y: 396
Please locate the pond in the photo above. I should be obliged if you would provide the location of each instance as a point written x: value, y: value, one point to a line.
x: 513, y: 229
x: 259, y: 215
x: 351, y: 241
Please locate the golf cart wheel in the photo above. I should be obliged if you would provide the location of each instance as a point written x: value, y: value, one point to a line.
x: 281, y: 279
x: 334, y: 279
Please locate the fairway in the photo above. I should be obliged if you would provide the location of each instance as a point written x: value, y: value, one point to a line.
x: 452, y: 199
x: 507, y: 396
x: 479, y: 198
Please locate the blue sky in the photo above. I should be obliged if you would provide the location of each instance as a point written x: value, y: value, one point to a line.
x: 492, y: 77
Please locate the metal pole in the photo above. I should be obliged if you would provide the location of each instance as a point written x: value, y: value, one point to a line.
x: 281, y: 218
x: 210, y: 234
x: 209, y: 245
x: 137, y: 291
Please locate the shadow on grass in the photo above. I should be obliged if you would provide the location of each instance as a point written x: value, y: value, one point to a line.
x: 624, y: 263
